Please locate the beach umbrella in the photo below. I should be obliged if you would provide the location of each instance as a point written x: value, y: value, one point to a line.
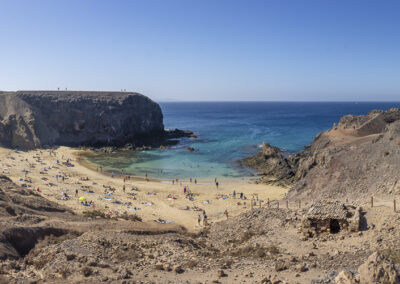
x: 82, y: 198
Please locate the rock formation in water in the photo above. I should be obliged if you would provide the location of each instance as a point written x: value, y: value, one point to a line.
x: 30, y: 119
x: 359, y: 155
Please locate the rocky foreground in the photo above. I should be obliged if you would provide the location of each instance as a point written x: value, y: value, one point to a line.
x: 358, y: 157
x: 42, y: 242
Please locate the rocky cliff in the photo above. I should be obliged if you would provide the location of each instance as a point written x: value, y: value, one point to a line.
x: 358, y: 156
x: 30, y: 119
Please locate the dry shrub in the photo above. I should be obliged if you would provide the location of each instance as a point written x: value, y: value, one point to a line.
x: 93, y: 214
x: 191, y: 264
x: 63, y: 272
x: 86, y: 271
x: 393, y: 255
x: 41, y: 262
x: 128, y: 217
x: 247, y: 236
x: 255, y: 251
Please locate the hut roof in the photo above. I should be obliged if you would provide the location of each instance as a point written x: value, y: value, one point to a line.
x: 327, y: 210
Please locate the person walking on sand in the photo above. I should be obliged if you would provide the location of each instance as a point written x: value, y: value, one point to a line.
x: 226, y: 213
x: 195, y: 181
x: 76, y: 192
x: 198, y: 219
x: 204, y: 218
x: 216, y: 184
x: 234, y: 194
x: 123, y: 188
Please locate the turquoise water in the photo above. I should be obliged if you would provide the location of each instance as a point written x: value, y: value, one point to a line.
x: 229, y: 131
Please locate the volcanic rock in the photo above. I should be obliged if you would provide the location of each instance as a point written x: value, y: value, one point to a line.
x: 30, y: 119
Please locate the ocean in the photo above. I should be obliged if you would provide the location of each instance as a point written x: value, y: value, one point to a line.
x: 228, y: 132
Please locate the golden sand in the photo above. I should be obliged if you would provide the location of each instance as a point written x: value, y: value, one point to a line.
x: 43, y: 169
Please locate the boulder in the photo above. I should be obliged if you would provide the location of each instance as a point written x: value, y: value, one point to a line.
x: 345, y: 277
x: 378, y: 269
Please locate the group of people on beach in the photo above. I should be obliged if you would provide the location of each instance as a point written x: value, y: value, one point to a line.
x: 108, y: 190
x: 204, y: 219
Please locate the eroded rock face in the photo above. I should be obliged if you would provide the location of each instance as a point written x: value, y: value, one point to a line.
x: 357, y: 156
x: 30, y: 119
x: 273, y: 165
x: 378, y: 269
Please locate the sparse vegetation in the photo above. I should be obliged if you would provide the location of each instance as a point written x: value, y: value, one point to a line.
x: 393, y: 255
x: 128, y: 217
x: 94, y: 214
x: 191, y: 264
x: 256, y: 251
x: 86, y: 271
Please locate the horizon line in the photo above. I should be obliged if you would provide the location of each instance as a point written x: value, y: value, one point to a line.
x: 276, y: 101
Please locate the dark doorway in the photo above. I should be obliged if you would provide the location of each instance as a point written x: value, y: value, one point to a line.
x: 334, y: 226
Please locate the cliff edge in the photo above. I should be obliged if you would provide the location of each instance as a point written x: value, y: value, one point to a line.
x: 360, y: 155
x: 30, y: 119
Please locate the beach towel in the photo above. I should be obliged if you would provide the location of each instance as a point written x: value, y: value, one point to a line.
x: 106, y: 198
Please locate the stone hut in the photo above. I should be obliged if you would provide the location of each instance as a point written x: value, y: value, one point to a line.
x: 330, y: 217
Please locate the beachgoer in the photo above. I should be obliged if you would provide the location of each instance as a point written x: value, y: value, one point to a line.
x: 216, y: 184
x: 112, y: 174
x: 123, y: 188
x: 204, y: 218
x: 195, y: 181
x: 76, y: 192
x: 234, y: 194
x: 190, y: 180
x: 198, y: 219
x: 226, y: 213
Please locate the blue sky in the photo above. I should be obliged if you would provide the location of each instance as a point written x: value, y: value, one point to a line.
x: 188, y: 50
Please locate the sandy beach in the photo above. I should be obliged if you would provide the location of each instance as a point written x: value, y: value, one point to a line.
x: 150, y: 200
